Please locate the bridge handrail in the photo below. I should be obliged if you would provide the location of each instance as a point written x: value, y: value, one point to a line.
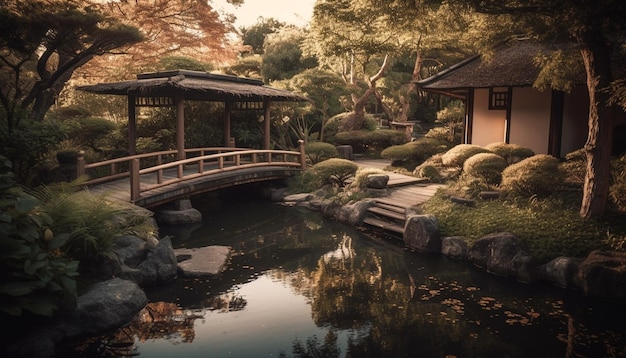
x: 135, y: 171
x: 82, y: 166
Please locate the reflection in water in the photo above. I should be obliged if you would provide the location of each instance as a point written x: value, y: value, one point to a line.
x: 299, y: 286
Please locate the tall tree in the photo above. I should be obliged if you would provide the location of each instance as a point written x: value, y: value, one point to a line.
x: 283, y: 56
x: 190, y: 28
x: 599, y: 30
x: 255, y: 35
x: 353, y: 38
x: 42, y: 43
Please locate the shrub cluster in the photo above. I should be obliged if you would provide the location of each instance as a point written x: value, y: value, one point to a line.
x: 457, y: 155
x: 417, y: 151
x: 512, y: 153
x: 319, y: 151
x: 486, y: 166
x: 363, y: 141
x: 334, y: 171
x: 538, y: 175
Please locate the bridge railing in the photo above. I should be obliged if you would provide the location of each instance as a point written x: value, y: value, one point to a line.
x: 154, y: 166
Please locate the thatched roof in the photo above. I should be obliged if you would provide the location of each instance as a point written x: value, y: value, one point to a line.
x: 194, y: 85
x: 511, y: 64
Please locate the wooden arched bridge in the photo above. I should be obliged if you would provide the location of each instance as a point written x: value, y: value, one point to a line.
x: 156, y: 178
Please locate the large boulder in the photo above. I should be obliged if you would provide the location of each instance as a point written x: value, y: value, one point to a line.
x: 562, y: 272
x: 160, y: 265
x: 454, y: 247
x: 354, y: 212
x: 503, y: 254
x: 421, y: 233
x: 377, y: 181
x: 107, y: 305
x: 603, y: 273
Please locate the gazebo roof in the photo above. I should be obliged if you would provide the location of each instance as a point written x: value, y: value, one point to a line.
x: 194, y: 85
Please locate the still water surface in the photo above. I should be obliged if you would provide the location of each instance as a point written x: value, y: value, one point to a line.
x: 299, y: 285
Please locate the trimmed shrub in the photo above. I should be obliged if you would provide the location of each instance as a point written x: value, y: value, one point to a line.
x: 429, y: 172
x: 575, y: 166
x: 617, y: 190
x: 363, y: 141
x: 418, y: 151
x: 334, y: 171
x: 320, y: 151
x: 457, y: 155
x: 512, y: 153
x: 487, y: 166
x: 538, y: 175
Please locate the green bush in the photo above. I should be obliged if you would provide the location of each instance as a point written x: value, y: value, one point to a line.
x: 617, y: 190
x: 430, y: 172
x: 434, y: 170
x: 334, y: 124
x: 575, y: 166
x: 334, y: 171
x: 417, y: 151
x: 35, y: 276
x: 90, y: 221
x: 538, y: 175
x: 512, y: 153
x: 320, y: 151
x: 364, y: 141
x: 457, y: 155
x: 487, y: 166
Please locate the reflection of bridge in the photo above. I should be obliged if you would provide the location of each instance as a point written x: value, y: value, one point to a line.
x: 156, y: 178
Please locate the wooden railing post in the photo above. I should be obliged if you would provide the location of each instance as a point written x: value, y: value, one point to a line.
x: 302, y: 154
x: 80, y: 163
x: 134, y: 179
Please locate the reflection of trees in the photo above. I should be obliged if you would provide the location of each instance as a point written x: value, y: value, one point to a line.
x: 226, y: 303
x: 313, y: 348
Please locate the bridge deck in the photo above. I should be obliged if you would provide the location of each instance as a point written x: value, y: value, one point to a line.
x: 120, y: 189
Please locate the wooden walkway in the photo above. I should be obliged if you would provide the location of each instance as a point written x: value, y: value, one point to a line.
x: 405, y: 194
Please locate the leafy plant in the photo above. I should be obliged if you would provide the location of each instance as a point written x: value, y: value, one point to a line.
x: 320, y: 151
x: 512, y: 153
x: 457, y: 155
x: 538, y: 175
x: 334, y: 171
x: 35, y: 275
x: 90, y: 221
x: 487, y: 166
x: 617, y: 190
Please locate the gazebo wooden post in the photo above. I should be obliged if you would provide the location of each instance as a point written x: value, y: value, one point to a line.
x: 180, y: 126
x: 227, y: 111
x: 266, y: 118
x: 132, y: 125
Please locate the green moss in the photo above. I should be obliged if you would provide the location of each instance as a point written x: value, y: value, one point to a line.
x: 538, y: 175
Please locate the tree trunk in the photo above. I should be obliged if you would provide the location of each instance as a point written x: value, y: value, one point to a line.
x: 411, y: 90
x: 597, y: 60
x: 358, y: 113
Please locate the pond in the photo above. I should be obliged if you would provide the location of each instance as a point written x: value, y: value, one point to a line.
x: 300, y: 285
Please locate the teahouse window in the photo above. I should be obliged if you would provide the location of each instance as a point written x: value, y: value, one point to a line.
x: 498, y: 98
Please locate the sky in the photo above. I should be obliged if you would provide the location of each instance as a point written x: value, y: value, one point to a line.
x: 296, y: 12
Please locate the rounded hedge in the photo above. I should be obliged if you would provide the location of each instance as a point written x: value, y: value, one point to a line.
x: 419, y: 150
x: 457, y: 155
x: 538, y: 175
x: 487, y: 166
x: 512, y: 153
x: 320, y: 151
x: 334, y: 171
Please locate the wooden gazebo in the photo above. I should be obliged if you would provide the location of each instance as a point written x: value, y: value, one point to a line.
x: 172, y: 88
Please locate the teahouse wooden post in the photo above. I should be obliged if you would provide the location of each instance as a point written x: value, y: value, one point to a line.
x: 180, y: 126
x: 227, y: 112
x: 266, y: 118
x: 132, y: 126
